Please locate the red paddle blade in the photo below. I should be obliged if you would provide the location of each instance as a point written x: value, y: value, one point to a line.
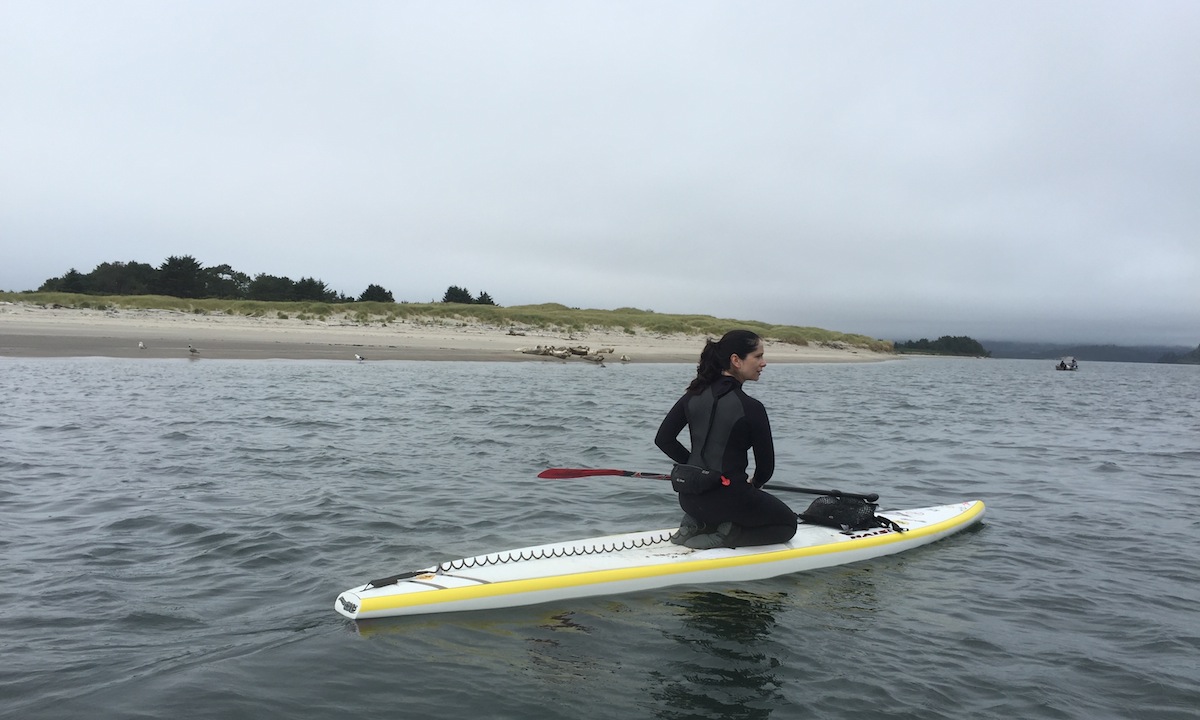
x: 564, y: 473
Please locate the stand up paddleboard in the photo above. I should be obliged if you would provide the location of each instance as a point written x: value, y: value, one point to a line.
x: 634, y: 562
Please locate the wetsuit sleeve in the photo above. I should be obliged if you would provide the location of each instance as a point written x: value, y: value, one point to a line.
x: 764, y: 445
x: 667, y: 438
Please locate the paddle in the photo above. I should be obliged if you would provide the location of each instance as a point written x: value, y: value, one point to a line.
x: 569, y: 473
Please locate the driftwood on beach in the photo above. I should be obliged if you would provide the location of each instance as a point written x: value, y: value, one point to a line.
x: 565, y: 352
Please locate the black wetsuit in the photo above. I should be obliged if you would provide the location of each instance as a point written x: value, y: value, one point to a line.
x: 738, y: 424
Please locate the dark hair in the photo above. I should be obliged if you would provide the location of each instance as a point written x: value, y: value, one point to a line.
x: 714, y: 358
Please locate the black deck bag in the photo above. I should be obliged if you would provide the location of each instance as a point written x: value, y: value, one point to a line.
x: 694, y: 480
x: 846, y: 514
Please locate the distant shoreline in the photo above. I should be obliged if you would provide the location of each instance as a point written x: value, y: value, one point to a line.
x: 29, y: 330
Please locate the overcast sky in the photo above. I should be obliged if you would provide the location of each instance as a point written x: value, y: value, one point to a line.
x: 1004, y: 170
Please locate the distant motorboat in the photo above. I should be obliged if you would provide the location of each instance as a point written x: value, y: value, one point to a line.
x: 1067, y: 363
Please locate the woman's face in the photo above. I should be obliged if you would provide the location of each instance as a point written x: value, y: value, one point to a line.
x: 750, y: 367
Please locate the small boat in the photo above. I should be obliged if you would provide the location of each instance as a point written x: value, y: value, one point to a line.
x: 637, y: 562
x: 1067, y: 363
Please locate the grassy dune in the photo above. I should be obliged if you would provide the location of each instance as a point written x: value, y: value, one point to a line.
x: 549, y: 316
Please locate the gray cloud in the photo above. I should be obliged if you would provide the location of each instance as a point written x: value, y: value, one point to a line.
x: 1024, y: 170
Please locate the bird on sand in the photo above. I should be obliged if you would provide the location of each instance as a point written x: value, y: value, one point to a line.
x: 193, y: 351
x: 358, y: 357
x: 141, y: 345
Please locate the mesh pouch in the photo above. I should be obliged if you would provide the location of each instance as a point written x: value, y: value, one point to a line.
x: 846, y: 514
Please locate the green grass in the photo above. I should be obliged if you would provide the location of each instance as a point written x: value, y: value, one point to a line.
x: 548, y: 316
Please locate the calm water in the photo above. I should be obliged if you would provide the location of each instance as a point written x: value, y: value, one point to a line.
x: 174, y: 534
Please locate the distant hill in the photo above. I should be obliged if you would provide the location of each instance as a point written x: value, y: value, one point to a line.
x: 1188, y: 358
x: 1093, y: 353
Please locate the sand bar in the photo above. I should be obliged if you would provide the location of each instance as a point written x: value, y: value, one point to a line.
x: 30, y: 330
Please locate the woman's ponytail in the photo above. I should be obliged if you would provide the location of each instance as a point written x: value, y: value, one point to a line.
x: 709, y: 368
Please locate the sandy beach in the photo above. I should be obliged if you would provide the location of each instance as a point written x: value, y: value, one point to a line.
x: 28, y: 330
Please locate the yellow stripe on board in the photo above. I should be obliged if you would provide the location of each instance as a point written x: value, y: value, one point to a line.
x: 598, y: 577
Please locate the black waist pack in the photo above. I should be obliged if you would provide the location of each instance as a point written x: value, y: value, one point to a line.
x: 693, y: 480
x: 846, y: 514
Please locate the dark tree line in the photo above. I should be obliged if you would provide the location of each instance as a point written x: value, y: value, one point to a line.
x: 945, y: 345
x: 185, y: 277
x: 462, y: 295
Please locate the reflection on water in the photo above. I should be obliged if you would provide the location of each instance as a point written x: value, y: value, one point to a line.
x: 840, y: 599
x: 729, y: 669
x: 553, y: 656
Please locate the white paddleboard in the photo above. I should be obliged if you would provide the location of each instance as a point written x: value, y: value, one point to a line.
x: 635, y: 562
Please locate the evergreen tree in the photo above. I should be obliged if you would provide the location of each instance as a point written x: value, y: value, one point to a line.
x: 181, y: 277
x: 455, y: 294
x: 222, y: 281
x: 72, y: 282
x: 118, y: 278
x: 314, y: 290
x: 484, y: 299
x: 376, y: 293
x: 945, y: 345
x: 269, y: 287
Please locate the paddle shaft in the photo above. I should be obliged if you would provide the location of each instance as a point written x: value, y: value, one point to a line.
x: 571, y: 473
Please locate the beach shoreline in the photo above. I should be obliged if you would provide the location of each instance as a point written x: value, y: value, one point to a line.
x: 30, y: 330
